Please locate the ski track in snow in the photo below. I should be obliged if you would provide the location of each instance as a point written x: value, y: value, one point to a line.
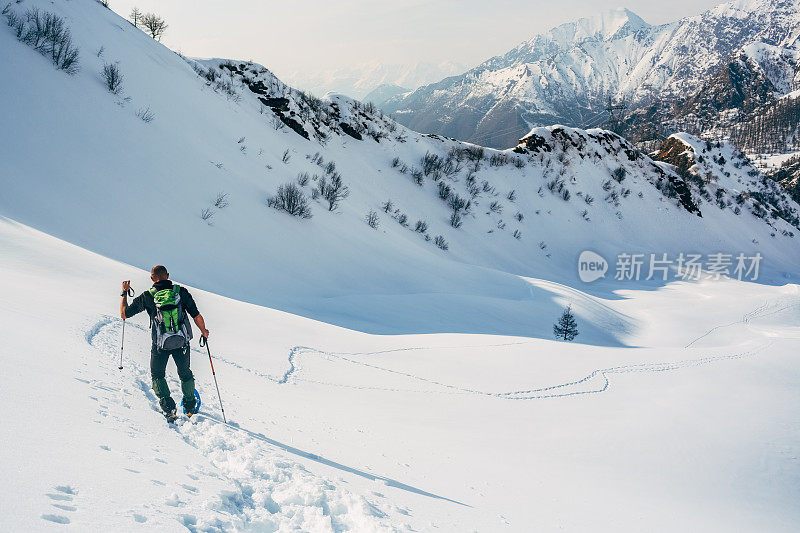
x: 762, y: 311
x: 559, y: 390
x: 270, y: 492
x: 273, y: 492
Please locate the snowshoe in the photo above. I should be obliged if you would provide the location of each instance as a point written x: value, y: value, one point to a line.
x: 171, y: 416
x: 190, y: 410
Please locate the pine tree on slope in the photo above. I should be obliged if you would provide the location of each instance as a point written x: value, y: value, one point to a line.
x: 566, y: 328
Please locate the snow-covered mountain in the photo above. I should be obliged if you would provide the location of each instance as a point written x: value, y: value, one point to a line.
x: 459, y: 257
x: 357, y: 81
x: 569, y: 74
x: 457, y: 212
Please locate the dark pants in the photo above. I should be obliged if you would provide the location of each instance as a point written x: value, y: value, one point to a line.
x: 158, y: 367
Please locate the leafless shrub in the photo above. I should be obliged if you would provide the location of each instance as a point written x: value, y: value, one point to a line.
x: 440, y: 242
x: 48, y: 34
x: 333, y: 191
x: 372, y: 220
x: 290, y: 199
x: 145, y: 114
x: 207, y: 214
x: 112, y: 77
x: 221, y: 200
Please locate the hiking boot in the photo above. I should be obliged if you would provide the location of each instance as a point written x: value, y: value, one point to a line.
x: 167, y: 405
x: 189, y: 406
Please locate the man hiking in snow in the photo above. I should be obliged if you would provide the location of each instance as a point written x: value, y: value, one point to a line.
x: 167, y: 304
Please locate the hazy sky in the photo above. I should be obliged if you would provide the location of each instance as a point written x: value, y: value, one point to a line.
x: 323, y: 34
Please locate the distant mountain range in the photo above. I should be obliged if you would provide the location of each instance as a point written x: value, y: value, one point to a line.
x: 358, y: 81
x: 663, y: 74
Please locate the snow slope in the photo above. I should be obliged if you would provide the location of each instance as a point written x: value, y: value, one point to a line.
x: 334, y: 430
x: 674, y: 410
x: 78, y: 164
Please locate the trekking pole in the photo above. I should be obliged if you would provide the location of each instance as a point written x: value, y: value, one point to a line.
x: 122, y: 343
x: 204, y: 342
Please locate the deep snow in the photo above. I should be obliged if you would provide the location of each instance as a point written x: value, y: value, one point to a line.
x: 332, y: 430
x: 673, y: 411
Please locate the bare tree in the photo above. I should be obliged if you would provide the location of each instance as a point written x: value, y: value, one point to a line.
x: 154, y: 25
x: 136, y: 16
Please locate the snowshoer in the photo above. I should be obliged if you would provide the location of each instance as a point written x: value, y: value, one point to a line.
x: 167, y: 304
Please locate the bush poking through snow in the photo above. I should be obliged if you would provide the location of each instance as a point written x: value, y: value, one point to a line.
x: 440, y: 242
x: 619, y: 174
x: 290, y: 199
x: 302, y: 179
x: 286, y: 157
x: 333, y: 191
x: 517, y: 234
x: 48, y: 34
x: 112, y: 77
x: 221, y: 200
x: 387, y: 206
x: 207, y: 214
x: 146, y: 115
x: 444, y: 191
x: 431, y: 163
x: 421, y: 226
x: 372, y: 220
x: 566, y: 328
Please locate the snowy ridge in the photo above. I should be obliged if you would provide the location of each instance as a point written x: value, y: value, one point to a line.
x: 253, y: 133
x: 358, y: 81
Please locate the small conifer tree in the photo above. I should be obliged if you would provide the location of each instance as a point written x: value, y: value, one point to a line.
x: 566, y: 328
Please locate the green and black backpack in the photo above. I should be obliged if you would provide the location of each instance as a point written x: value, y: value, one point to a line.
x: 170, y: 328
